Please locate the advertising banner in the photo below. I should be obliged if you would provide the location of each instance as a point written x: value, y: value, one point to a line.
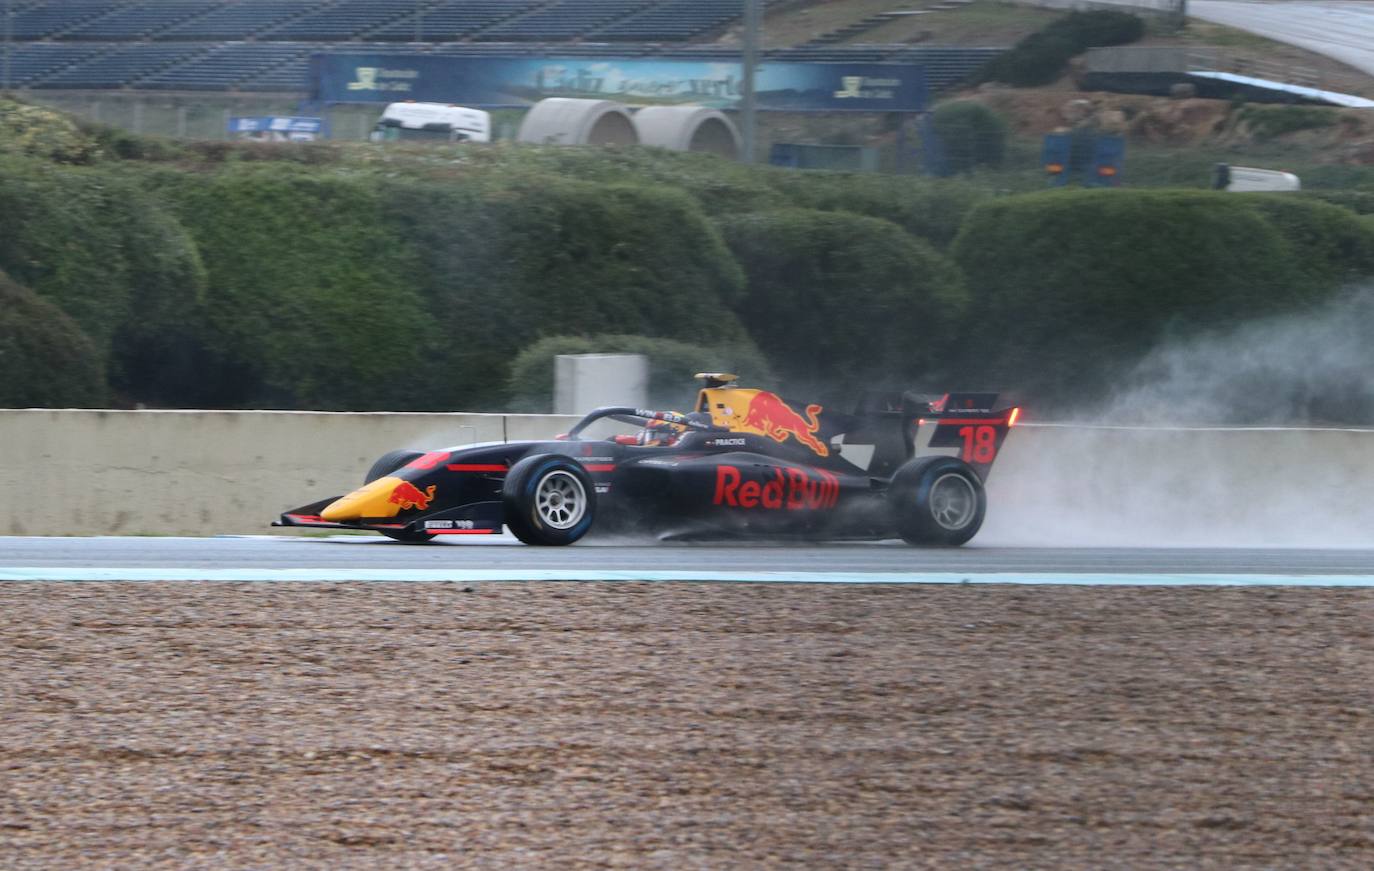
x: 498, y: 82
x: 282, y: 128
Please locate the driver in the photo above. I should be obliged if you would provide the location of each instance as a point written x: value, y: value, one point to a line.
x: 661, y: 433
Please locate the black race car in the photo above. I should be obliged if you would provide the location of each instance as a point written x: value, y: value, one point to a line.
x: 744, y: 462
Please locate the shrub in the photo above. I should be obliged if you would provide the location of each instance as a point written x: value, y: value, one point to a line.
x: 1359, y: 202
x: 113, y: 258
x: 1071, y: 287
x: 1040, y: 58
x: 34, y: 131
x: 1270, y: 122
x: 1330, y: 245
x: 836, y: 298
x: 930, y: 209
x: 971, y: 135
x: 312, y: 300
x: 47, y: 360
x: 671, y: 365
x: 509, y: 261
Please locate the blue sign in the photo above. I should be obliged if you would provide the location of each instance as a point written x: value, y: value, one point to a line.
x: 496, y: 82
x: 278, y: 127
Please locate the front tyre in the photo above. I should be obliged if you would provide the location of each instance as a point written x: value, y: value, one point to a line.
x: 548, y: 499
x: 937, y: 501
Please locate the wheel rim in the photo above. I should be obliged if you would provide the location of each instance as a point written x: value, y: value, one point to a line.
x: 953, y: 501
x: 561, y: 500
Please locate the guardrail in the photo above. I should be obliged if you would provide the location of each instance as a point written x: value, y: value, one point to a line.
x: 74, y: 472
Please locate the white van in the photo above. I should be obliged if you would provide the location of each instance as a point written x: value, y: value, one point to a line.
x: 1249, y: 178
x: 432, y: 122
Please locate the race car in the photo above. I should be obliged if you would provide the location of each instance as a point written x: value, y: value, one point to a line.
x: 744, y: 462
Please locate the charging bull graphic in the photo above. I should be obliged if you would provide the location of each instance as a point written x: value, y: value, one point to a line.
x: 768, y: 415
x: 408, y: 496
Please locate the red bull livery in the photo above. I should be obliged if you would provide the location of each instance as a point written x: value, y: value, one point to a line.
x: 742, y: 462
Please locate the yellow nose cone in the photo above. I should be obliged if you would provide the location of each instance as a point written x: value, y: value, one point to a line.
x: 381, y: 498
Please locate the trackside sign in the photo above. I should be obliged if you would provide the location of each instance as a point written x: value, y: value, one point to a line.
x: 495, y: 82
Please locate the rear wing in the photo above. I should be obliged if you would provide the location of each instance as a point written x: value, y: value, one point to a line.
x: 970, y: 426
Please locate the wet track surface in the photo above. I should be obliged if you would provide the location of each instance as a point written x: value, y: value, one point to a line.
x: 353, y: 553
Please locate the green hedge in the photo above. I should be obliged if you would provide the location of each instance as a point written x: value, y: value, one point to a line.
x: 839, y: 298
x: 1041, y: 57
x: 930, y: 209
x: 1331, y: 246
x: 971, y: 135
x: 111, y: 256
x: 1071, y: 288
x: 671, y: 367
x: 505, y: 262
x: 312, y: 299
x: 46, y: 358
x: 33, y: 131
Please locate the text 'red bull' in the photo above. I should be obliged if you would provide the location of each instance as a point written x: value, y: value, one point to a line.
x: 790, y: 490
x: 770, y: 415
x: 408, y: 496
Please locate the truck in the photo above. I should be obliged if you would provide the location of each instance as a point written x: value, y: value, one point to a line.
x: 432, y: 122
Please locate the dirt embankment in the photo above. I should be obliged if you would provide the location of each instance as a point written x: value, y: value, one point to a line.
x: 684, y: 726
x: 1343, y: 135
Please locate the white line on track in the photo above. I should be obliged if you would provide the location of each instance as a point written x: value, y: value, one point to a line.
x: 20, y: 573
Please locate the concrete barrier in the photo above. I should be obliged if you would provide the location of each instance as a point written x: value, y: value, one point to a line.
x: 1085, y: 486
x: 66, y: 472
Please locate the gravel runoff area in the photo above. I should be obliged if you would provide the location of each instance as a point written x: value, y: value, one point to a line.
x: 682, y: 726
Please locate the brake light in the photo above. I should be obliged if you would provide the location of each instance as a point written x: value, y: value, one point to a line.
x: 1011, y: 418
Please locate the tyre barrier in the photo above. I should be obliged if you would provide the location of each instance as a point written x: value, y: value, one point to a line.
x: 566, y: 121
x: 688, y: 128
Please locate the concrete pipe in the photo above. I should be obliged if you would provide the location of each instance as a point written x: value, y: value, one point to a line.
x: 688, y: 128
x: 565, y: 121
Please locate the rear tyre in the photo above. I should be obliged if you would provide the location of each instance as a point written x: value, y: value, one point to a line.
x: 937, y: 501
x: 548, y: 499
x: 385, y: 465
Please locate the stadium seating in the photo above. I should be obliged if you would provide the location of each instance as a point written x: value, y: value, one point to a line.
x: 265, y: 45
x: 453, y: 20
x: 139, y: 21
x: 672, y: 20
x: 122, y: 63
x: 53, y: 19
x: 344, y: 20
x: 240, y: 20
x: 565, y: 19
x: 32, y: 62
x: 228, y: 64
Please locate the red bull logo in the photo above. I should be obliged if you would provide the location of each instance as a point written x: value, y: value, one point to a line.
x: 774, y: 418
x: 789, y: 490
x: 408, y: 496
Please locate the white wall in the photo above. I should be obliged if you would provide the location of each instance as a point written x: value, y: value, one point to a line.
x: 196, y: 473
x: 200, y: 473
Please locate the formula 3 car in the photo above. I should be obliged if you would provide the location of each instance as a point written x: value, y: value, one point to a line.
x: 744, y: 462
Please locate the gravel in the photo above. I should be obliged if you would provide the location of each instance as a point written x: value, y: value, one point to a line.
x: 684, y: 726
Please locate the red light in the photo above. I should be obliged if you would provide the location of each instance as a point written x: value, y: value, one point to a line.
x: 1106, y: 170
x: 1011, y: 418
x: 1054, y: 167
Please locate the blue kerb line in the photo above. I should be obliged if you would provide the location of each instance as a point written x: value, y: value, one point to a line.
x: 20, y: 573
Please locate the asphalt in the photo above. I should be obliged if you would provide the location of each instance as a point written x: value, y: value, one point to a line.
x: 356, y: 556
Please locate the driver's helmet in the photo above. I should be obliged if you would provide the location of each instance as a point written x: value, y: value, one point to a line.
x: 658, y: 433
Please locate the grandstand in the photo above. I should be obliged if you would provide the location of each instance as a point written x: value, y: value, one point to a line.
x: 264, y: 46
